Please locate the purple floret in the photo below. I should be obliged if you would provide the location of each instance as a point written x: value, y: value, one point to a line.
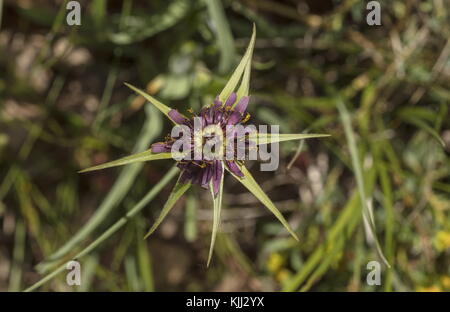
x: 202, y: 172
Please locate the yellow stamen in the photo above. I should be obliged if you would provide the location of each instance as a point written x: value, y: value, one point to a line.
x: 246, y: 118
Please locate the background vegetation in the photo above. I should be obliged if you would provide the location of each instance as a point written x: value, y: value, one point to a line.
x: 63, y: 107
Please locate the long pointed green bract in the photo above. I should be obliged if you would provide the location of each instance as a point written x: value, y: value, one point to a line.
x: 138, y: 157
x: 367, y: 215
x: 162, y: 107
x: 267, y: 138
x: 178, y: 190
x: 237, y: 74
x: 216, y: 216
x: 249, y: 182
x: 244, y: 88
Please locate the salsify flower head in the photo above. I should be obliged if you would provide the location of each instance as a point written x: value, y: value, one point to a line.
x: 204, y: 158
x: 219, y: 117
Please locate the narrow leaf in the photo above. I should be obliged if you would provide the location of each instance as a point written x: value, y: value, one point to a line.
x: 162, y: 107
x: 178, y: 190
x: 123, y: 183
x: 266, y: 138
x: 216, y: 217
x: 339, y: 228
x: 126, y: 31
x: 249, y: 182
x: 237, y: 74
x: 223, y: 34
x: 143, y: 156
x: 190, y: 223
x: 425, y: 127
x: 356, y: 164
x: 112, y: 229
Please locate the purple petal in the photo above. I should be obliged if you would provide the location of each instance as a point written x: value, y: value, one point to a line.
x: 206, y: 176
x: 234, y: 118
x: 234, y: 169
x: 217, y: 178
x: 241, y: 106
x: 197, y: 175
x: 176, y: 116
x: 231, y: 99
x: 211, y: 116
x: 159, y: 148
x: 185, y: 177
x: 217, y: 102
x: 218, y: 116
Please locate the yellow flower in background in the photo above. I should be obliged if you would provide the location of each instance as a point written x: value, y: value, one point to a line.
x: 275, y: 262
x: 275, y: 265
x: 442, y: 240
x: 283, y: 275
x: 432, y: 288
x: 445, y: 281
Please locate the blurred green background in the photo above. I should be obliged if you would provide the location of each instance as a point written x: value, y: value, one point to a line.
x: 63, y: 107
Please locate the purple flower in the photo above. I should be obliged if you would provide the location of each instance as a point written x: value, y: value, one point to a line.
x: 203, y: 171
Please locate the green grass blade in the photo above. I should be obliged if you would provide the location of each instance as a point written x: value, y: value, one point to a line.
x: 107, y: 93
x: 162, y: 107
x: 98, y: 10
x: 425, y: 127
x: 190, y: 224
x: 1, y: 13
x: 216, y: 216
x: 138, y: 27
x: 88, y: 273
x: 112, y: 229
x: 267, y: 138
x: 124, y: 182
x: 16, y: 273
x: 338, y: 228
x: 390, y: 221
x: 237, y: 74
x: 178, y: 190
x: 249, y: 182
x: 356, y: 164
x: 388, y: 205
x: 132, y: 274
x: 331, y: 255
x: 144, y: 259
x: 223, y: 33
